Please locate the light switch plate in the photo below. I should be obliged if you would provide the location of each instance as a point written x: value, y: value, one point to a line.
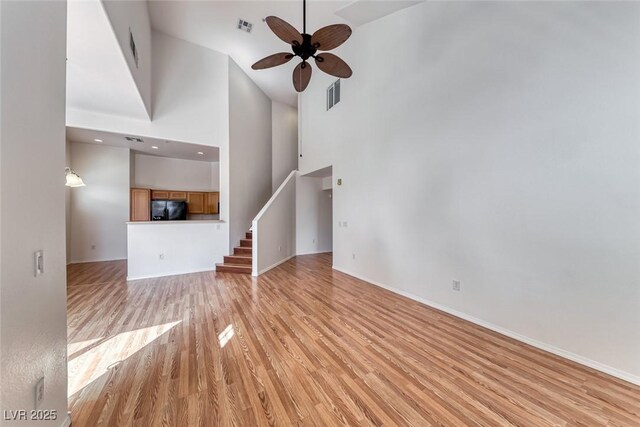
x: 39, y: 393
x: 38, y: 260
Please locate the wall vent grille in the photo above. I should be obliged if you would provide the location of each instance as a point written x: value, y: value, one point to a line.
x: 133, y: 139
x: 333, y: 94
x: 244, y: 26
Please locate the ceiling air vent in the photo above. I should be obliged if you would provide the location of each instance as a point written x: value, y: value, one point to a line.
x: 333, y: 94
x: 244, y: 26
x: 133, y: 139
x: 132, y: 45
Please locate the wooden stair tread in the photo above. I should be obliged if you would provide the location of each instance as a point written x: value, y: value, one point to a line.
x: 241, y: 260
x: 238, y: 259
x: 233, y: 268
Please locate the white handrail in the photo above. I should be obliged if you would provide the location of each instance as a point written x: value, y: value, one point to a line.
x: 279, y: 216
x: 274, y: 196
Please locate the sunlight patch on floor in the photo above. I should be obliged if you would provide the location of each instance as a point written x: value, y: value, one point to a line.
x: 97, y: 361
x: 226, y: 335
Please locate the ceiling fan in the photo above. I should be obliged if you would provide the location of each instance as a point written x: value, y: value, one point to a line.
x: 306, y: 46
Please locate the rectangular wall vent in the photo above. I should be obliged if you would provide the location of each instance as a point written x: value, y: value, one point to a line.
x: 333, y: 94
x: 133, y: 139
x: 244, y: 26
x: 134, y: 50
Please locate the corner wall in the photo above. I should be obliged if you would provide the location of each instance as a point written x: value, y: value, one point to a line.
x: 284, y: 138
x: 314, y: 218
x: 33, y: 327
x: 250, y: 152
x: 99, y: 211
x: 125, y: 16
x: 504, y: 155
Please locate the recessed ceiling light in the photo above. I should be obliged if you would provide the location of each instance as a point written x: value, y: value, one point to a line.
x: 154, y: 147
x: 97, y: 140
x: 201, y: 153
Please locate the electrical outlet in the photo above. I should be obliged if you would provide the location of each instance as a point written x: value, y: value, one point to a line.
x: 314, y: 241
x: 93, y: 247
x: 345, y: 224
x: 38, y: 263
x: 455, y: 285
x: 353, y: 256
x: 161, y: 256
x: 279, y: 248
x: 39, y: 393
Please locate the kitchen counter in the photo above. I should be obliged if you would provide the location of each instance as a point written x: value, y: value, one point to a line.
x: 165, y: 248
x: 194, y: 221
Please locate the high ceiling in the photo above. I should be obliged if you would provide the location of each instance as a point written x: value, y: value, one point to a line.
x: 213, y: 24
x: 98, y: 78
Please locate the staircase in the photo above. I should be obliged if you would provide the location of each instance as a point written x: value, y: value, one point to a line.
x: 241, y: 260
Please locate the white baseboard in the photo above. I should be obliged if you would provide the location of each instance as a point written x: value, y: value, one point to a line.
x: 532, y: 342
x: 177, y: 273
x: 313, y: 253
x: 67, y: 421
x: 264, y: 270
x: 84, y: 261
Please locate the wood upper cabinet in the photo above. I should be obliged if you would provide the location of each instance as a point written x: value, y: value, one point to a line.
x: 177, y: 195
x: 140, y: 208
x: 211, y: 203
x: 159, y: 194
x: 195, y: 202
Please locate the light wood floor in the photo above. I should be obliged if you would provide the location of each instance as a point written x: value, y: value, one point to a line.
x: 305, y: 345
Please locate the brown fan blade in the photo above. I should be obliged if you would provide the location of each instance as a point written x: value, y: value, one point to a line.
x: 301, y: 76
x: 330, y: 37
x: 285, y: 31
x: 331, y: 64
x: 273, y: 60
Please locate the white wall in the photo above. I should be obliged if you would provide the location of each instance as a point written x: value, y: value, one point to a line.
x: 168, y: 248
x: 250, y: 151
x: 313, y: 216
x: 284, y: 137
x: 33, y: 328
x: 99, y: 211
x: 175, y: 174
x: 274, y: 228
x: 67, y: 201
x: 125, y: 16
x: 503, y: 155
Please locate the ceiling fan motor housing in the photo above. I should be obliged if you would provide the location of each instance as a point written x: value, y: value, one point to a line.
x: 305, y: 50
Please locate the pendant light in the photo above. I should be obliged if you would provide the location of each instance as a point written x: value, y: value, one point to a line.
x: 73, y: 179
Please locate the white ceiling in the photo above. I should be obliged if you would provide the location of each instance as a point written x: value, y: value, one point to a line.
x: 98, y: 77
x: 212, y: 24
x: 172, y: 149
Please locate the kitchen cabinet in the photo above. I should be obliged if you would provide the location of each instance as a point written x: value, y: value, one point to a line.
x: 195, y: 202
x: 159, y: 195
x: 140, y: 200
x: 177, y: 195
x: 211, y: 203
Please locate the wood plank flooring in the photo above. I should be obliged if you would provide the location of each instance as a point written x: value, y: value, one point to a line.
x: 304, y: 345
